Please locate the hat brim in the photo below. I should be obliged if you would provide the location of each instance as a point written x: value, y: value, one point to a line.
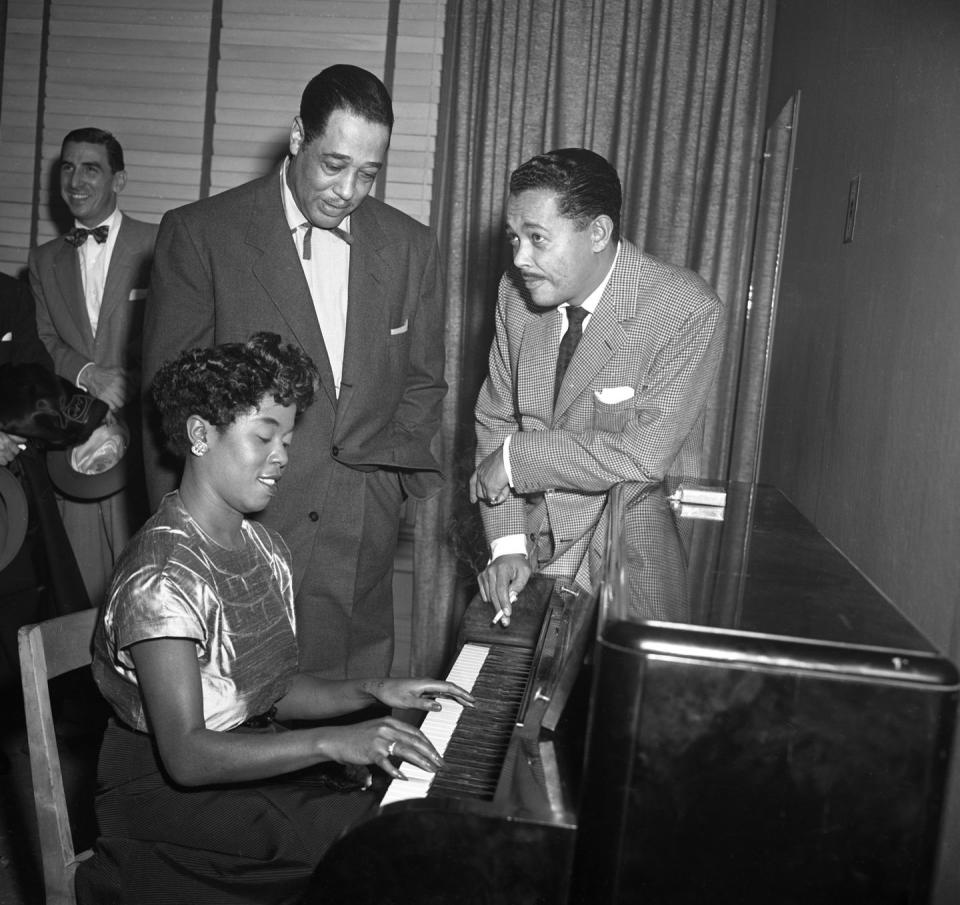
x: 79, y: 486
x: 14, y: 516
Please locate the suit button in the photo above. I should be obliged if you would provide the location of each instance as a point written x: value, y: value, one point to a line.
x: 336, y: 451
x: 313, y: 516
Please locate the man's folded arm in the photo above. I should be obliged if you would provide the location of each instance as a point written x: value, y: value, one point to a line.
x: 670, y: 400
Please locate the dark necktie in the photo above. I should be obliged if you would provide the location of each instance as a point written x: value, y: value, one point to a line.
x: 308, y: 231
x: 78, y: 235
x: 568, y: 344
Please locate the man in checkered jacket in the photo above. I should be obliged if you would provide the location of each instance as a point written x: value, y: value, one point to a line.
x: 557, y: 428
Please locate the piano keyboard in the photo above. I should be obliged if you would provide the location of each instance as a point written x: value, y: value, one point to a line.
x: 472, y: 740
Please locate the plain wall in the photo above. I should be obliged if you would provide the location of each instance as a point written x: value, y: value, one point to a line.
x: 863, y: 421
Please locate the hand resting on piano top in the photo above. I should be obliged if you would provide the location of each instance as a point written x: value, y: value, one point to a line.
x: 501, y: 583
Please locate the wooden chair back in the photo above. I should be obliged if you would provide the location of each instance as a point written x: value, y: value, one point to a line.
x: 49, y: 649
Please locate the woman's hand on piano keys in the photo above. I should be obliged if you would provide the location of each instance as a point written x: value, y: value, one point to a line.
x: 416, y: 694
x: 381, y: 742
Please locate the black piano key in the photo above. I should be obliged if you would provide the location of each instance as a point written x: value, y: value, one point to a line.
x: 475, y: 753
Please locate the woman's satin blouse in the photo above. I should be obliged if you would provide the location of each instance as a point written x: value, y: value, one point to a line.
x: 173, y: 581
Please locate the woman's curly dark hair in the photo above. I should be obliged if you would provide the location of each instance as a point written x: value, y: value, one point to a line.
x: 224, y: 382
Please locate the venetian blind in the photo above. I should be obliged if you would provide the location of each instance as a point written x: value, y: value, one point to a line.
x: 18, y: 129
x: 268, y: 54
x: 142, y: 70
x: 139, y: 70
x: 416, y: 100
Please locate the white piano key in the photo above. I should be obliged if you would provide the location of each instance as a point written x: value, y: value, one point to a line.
x: 404, y: 791
x: 439, y: 726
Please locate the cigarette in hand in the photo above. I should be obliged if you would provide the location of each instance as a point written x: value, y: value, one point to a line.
x: 500, y: 613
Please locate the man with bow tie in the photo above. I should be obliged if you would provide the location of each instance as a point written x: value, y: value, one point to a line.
x: 307, y: 253
x: 90, y: 290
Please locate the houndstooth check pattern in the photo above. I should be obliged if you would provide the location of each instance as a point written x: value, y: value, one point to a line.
x: 656, y: 330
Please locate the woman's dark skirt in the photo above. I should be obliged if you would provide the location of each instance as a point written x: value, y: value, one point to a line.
x: 255, y: 844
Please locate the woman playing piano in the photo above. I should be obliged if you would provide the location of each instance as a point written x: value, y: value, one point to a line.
x: 204, y: 797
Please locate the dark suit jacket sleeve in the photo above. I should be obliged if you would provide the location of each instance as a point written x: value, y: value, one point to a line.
x: 417, y: 417
x: 179, y: 315
x: 140, y: 240
x: 496, y: 419
x: 18, y: 317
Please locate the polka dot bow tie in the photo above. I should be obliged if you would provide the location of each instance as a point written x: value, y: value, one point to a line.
x: 77, y: 236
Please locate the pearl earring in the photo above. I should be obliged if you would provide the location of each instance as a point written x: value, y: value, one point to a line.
x: 199, y: 447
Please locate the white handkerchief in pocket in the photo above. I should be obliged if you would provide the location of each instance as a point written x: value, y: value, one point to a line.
x: 7, y: 338
x: 613, y: 395
x: 396, y: 331
x: 136, y: 295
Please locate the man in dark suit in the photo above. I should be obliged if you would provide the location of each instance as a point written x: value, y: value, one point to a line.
x: 40, y: 579
x: 90, y: 287
x: 305, y: 253
x: 19, y: 344
x: 560, y: 419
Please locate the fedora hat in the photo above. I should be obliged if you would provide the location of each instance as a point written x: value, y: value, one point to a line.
x: 39, y: 405
x: 96, y: 468
x: 86, y: 444
x: 14, y: 516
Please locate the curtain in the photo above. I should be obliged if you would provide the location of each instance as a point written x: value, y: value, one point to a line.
x: 672, y: 93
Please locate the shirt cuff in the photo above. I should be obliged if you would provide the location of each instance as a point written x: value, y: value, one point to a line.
x: 508, y: 545
x: 79, y: 380
x: 506, y: 461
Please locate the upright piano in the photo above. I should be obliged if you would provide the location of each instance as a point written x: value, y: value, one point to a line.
x: 732, y: 714
x: 497, y: 823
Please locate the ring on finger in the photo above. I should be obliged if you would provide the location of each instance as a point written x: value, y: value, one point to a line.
x: 391, y: 748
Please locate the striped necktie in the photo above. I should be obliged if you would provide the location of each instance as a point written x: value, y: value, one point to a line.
x: 308, y: 232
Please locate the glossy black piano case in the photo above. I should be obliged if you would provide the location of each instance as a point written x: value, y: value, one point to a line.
x: 730, y: 767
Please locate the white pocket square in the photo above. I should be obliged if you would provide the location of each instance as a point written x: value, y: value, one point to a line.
x: 613, y: 395
x: 7, y: 338
x: 396, y: 331
x: 136, y: 295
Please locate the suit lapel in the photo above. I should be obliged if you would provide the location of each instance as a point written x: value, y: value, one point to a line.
x: 66, y: 268
x: 601, y: 339
x: 121, y: 263
x: 366, y: 315
x: 278, y: 270
x: 605, y: 333
x: 536, y: 364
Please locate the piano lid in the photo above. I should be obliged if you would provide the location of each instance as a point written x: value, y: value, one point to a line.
x: 744, y: 560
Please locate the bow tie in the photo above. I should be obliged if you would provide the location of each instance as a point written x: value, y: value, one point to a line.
x: 78, y: 235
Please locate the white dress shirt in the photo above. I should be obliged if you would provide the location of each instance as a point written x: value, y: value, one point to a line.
x: 94, y: 258
x: 327, y: 271
x: 94, y: 264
